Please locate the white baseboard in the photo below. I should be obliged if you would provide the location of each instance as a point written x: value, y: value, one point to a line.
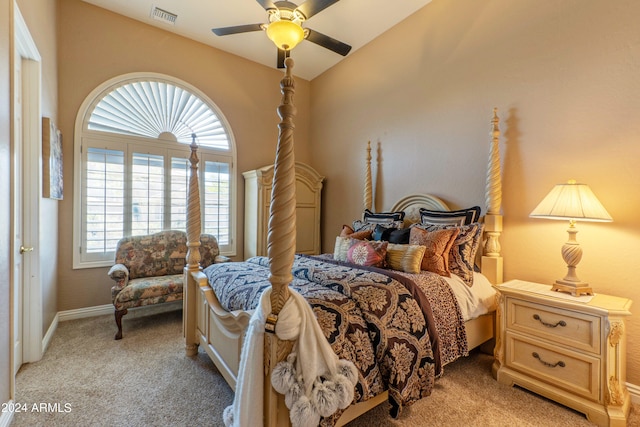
x: 52, y: 329
x: 101, y: 310
x: 634, y: 391
x: 81, y: 313
x: 6, y: 417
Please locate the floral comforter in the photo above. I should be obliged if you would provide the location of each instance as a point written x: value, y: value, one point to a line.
x: 398, y: 329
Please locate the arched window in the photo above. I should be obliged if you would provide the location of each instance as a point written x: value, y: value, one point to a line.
x: 132, y: 170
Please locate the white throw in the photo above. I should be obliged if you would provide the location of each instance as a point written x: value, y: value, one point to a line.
x: 307, y: 395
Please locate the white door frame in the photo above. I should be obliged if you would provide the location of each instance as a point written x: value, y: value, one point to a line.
x: 25, y: 48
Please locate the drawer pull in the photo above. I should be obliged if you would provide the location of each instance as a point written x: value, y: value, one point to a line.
x: 549, y: 325
x: 550, y: 365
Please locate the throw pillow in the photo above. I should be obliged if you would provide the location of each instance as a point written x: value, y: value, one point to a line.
x: 367, y: 253
x: 463, y: 251
x: 459, y: 217
x: 438, y: 245
x: 407, y: 258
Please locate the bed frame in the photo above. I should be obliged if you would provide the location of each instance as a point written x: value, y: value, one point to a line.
x: 220, y: 332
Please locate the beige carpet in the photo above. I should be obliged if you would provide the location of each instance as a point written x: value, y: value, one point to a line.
x: 145, y: 380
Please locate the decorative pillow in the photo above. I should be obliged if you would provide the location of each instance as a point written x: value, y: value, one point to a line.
x: 407, y: 258
x: 437, y: 245
x: 459, y: 217
x: 371, y: 226
x: 400, y: 236
x: 360, y: 235
x: 341, y: 247
x: 367, y: 253
x: 463, y: 251
x: 382, y: 217
x: 382, y: 232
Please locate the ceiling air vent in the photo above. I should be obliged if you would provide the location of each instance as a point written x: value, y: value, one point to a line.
x: 163, y: 15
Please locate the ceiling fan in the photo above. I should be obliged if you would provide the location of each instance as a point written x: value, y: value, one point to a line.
x: 285, y: 27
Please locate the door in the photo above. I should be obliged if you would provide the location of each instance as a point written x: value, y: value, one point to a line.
x: 16, y: 215
x: 26, y: 317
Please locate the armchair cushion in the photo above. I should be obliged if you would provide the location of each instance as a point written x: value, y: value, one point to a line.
x: 149, y: 290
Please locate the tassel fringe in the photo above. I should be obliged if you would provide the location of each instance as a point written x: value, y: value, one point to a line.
x: 328, y: 394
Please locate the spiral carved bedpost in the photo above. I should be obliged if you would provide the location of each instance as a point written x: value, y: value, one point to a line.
x: 193, y: 253
x: 281, y: 242
x: 491, y: 258
x: 368, y: 187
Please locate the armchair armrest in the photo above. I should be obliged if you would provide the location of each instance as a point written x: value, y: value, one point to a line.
x: 120, y: 274
x: 221, y: 258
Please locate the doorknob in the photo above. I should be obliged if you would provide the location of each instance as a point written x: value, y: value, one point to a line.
x: 24, y: 249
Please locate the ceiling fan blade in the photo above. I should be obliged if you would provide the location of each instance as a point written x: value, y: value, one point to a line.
x: 328, y: 42
x: 225, y: 31
x: 267, y: 4
x: 311, y: 7
x: 282, y: 55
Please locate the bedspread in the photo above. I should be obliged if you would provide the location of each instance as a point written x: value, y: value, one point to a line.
x: 369, y: 316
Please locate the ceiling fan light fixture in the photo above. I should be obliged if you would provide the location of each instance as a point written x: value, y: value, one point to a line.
x: 285, y: 34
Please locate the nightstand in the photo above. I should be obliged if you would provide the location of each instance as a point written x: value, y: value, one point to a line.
x: 569, y: 349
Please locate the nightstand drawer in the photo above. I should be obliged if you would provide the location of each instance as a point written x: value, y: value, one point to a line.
x: 575, y: 372
x: 570, y: 328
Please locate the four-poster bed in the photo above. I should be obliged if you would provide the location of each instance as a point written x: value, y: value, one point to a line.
x: 221, y: 332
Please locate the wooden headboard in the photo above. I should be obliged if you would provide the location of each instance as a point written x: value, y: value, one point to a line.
x: 412, y: 204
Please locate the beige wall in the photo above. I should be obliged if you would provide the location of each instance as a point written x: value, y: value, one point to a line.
x: 564, y: 75
x: 95, y: 45
x: 6, y: 372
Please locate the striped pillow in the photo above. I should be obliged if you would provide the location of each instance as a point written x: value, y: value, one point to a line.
x: 407, y: 258
x: 459, y: 217
x: 341, y: 247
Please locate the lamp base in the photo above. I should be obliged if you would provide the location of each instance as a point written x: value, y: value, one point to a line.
x: 574, y: 288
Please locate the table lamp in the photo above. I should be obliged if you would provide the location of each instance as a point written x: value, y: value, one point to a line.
x: 573, y: 202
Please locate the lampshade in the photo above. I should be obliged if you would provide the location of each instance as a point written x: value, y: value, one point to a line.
x: 571, y: 201
x: 285, y: 34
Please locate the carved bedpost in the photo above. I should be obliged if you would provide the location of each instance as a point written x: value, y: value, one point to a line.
x: 193, y: 254
x: 491, y: 258
x: 368, y: 188
x: 281, y: 240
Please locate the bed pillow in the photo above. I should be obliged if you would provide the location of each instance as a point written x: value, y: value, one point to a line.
x: 341, y: 247
x: 400, y: 236
x: 382, y: 232
x: 463, y: 251
x: 437, y: 245
x: 371, y: 219
x: 382, y: 217
x: 459, y: 217
x: 371, y: 226
x: 367, y: 253
x: 360, y: 235
x: 407, y: 258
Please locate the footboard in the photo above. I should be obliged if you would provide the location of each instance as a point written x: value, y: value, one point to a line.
x: 219, y: 332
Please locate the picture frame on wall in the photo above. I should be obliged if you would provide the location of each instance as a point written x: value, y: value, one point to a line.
x: 51, y: 160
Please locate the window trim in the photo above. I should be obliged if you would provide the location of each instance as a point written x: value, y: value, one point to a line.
x: 81, y: 131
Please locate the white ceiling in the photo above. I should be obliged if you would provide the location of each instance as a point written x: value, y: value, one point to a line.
x: 355, y: 22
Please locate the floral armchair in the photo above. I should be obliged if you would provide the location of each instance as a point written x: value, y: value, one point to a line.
x: 148, y: 269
